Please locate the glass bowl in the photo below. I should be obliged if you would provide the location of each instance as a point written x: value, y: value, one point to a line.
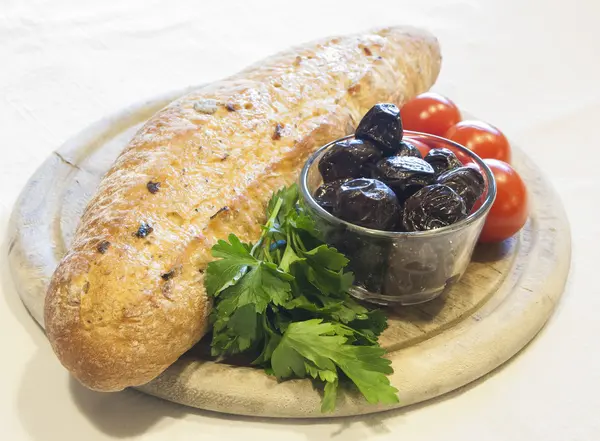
x: 401, y: 267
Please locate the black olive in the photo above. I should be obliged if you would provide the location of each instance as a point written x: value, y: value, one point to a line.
x: 368, y: 257
x: 466, y: 181
x: 442, y: 160
x: 418, y: 270
x: 383, y: 126
x: 404, y: 174
x: 408, y: 149
x: 434, y: 206
x: 326, y: 194
x: 368, y: 203
x: 348, y: 159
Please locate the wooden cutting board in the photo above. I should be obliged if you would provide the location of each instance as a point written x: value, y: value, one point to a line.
x: 504, y: 299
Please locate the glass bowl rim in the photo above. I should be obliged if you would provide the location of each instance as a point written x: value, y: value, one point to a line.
x: 479, y: 213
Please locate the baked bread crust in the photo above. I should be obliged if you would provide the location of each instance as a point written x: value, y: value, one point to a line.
x: 128, y: 298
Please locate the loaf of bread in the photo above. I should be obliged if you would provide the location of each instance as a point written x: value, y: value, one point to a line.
x: 128, y: 298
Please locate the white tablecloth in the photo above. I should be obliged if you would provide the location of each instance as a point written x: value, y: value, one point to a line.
x: 529, y: 66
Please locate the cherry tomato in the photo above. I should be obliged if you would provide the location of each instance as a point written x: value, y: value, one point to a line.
x: 478, y: 203
x: 430, y: 113
x: 420, y: 145
x: 509, y: 211
x: 481, y: 138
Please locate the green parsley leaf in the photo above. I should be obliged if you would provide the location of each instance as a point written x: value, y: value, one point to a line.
x: 234, y: 261
x: 270, y: 343
x: 339, y: 310
x: 331, y: 283
x: 284, y: 301
x: 289, y: 257
x: 326, y: 257
x: 371, y: 326
x: 345, y: 311
x: 325, y: 345
x: 259, y: 287
x: 281, y: 319
x: 302, y: 221
x: 237, y: 333
x: 329, y: 396
x: 288, y: 197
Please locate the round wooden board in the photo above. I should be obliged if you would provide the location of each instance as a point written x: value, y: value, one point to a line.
x: 504, y: 299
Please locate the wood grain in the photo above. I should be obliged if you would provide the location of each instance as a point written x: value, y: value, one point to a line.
x: 503, y: 300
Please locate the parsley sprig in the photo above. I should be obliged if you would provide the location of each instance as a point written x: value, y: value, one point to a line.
x: 284, y: 302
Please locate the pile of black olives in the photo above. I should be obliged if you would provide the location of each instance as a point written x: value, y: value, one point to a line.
x: 378, y: 180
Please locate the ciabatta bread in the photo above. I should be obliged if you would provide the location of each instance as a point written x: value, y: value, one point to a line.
x: 128, y: 298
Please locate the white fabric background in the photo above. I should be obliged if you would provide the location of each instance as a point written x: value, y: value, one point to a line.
x: 529, y: 66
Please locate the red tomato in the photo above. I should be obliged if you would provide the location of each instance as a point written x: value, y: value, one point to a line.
x: 481, y: 138
x: 509, y: 211
x: 478, y: 204
x: 420, y: 145
x: 430, y: 113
